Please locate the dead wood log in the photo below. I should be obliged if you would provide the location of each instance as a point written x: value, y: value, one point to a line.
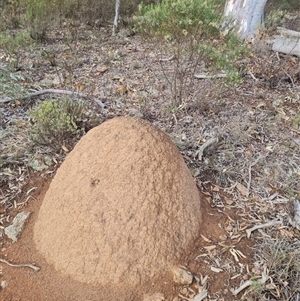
x: 288, y: 42
x: 288, y: 32
x: 289, y: 46
x: 204, y: 76
x: 53, y: 91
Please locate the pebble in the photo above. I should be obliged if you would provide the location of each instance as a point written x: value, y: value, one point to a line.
x: 4, y: 284
x: 182, y: 276
x: 14, y: 230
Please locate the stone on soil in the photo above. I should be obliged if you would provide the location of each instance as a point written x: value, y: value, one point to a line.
x: 182, y: 276
x: 14, y: 230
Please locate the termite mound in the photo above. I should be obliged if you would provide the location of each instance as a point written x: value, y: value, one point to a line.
x: 121, y: 210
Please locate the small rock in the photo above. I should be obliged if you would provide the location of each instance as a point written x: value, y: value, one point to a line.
x: 40, y: 162
x: 4, y: 284
x: 154, y: 297
x: 182, y: 276
x: 14, y: 230
x: 184, y: 291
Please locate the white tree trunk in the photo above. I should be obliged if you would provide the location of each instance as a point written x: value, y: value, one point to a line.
x: 245, y: 15
x: 116, y: 20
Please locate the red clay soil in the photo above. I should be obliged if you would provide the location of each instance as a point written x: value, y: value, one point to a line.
x: 25, y: 284
x: 121, y: 210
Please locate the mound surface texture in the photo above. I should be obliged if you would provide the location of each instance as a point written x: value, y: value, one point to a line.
x: 122, y: 208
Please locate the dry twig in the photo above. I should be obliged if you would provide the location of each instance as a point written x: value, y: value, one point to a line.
x: 28, y: 265
x: 167, y: 59
x: 252, y: 75
x: 263, y: 280
x: 249, y: 172
x: 54, y: 91
x: 261, y: 226
x: 204, y: 146
x: 204, y: 76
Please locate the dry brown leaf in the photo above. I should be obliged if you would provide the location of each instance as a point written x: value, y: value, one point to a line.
x: 223, y: 237
x: 65, y: 149
x: 235, y: 236
x: 102, y: 69
x: 205, y: 238
x: 122, y: 89
x: 248, y: 153
x: 216, y: 188
x: 229, y: 228
x: 286, y: 233
x: 229, y: 201
x: 236, y: 254
x: 79, y: 87
x: 209, y: 248
x: 242, y: 189
x: 216, y: 270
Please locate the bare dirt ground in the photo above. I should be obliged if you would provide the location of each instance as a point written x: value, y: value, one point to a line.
x: 249, y: 176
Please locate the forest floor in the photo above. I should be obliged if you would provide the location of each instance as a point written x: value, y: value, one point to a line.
x: 250, y: 175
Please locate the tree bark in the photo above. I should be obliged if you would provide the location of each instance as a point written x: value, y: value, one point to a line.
x: 116, y: 20
x: 244, y: 15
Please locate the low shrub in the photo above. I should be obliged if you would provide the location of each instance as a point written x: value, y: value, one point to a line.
x: 282, y: 260
x: 13, y: 44
x: 191, y: 30
x: 55, y: 121
x: 177, y: 19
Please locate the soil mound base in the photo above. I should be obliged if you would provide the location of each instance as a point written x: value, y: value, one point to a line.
x: 121, y: 209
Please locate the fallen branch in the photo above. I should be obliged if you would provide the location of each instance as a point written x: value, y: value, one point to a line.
x: 252, y: 75
x: 28, y: 265
x: 290, y: 78
x: 204, y: 146
x: 5, y: 99
x: 204, y: 76
x: 167, y: 59
x: 288, y: 32
x: 54, y: 91
x: 263, y: 280
x: 288, y: 46
x: 287, y: 42
x: 261, y: 226
x: 249, y: 173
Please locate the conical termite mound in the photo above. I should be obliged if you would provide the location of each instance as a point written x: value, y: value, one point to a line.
x: 121, y: 210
